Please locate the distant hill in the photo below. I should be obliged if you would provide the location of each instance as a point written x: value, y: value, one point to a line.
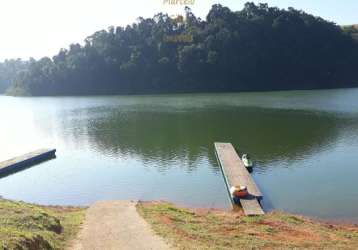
x: 255, y: 49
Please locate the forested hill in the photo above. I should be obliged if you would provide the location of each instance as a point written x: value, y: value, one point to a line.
x: 257, y: 48
x: 8, y: 72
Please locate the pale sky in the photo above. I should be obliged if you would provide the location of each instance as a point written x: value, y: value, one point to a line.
x: 37, y: 28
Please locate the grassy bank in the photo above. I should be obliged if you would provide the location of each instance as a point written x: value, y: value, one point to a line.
x: 27, y: 226
x: 194, y: 229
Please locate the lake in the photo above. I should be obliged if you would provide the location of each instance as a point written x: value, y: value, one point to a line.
x: 304, y: 143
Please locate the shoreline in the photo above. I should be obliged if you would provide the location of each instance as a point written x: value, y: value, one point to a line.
x: 181, y: 227
x: 214, y: 92
x: 237, y: 210
x: 208, y: 229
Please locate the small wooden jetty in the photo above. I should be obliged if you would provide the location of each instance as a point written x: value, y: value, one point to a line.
x: 25, y: 161
x: 236, y: 174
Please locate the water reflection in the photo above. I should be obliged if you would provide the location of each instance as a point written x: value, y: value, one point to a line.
x: 270, y: 135
x: 161, y: 147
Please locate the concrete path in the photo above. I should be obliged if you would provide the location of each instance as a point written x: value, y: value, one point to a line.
x: 116, y: 225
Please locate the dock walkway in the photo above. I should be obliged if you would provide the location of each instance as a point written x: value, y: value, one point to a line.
x: 24, y: 161
x: 236, y: 174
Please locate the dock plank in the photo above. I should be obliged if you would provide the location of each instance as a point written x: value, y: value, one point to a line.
x: 251, y: 206
x: 236, y: 174
x: 24, y: 161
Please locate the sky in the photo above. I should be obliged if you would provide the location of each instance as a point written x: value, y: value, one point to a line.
x: 37, y: 28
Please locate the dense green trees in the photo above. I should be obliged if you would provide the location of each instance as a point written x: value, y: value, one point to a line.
x: 257, y: 48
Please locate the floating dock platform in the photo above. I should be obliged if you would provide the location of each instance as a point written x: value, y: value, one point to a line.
x: 25, y: 161
x: 236, y: 174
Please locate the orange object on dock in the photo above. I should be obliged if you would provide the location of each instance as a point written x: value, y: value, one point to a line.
x: 236, y: 174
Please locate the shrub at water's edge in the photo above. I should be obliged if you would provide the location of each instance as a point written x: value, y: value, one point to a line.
x: 28, y: 226
x: 257, y: 48
x: 14, y: 90
x: 206, y: 229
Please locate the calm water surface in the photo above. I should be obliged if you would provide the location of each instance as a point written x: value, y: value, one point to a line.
x: 305, y: 144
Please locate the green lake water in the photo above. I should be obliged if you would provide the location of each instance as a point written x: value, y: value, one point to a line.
x: 304, y: 143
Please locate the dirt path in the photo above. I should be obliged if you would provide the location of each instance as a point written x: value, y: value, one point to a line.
x: 116, y: 225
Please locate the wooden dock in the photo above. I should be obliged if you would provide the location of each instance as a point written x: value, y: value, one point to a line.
x: 25, y: 161
x: 236, y: 174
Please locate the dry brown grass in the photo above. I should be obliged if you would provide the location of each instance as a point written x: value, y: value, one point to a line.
x: 206, y: 229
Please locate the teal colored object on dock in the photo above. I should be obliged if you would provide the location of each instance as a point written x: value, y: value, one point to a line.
x: 25, y: 161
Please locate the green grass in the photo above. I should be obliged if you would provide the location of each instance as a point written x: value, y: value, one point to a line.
x: 28, y: 226
x: 187, y: 229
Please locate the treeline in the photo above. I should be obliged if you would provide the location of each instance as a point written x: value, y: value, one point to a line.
x: 257, y: 48
x: 8, y: 72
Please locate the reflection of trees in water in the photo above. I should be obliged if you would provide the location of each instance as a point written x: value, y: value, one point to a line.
x: 157, y: 138
x: 187, y: 137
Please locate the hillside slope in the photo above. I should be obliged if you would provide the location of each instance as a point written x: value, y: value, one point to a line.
x: 25, y: 226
